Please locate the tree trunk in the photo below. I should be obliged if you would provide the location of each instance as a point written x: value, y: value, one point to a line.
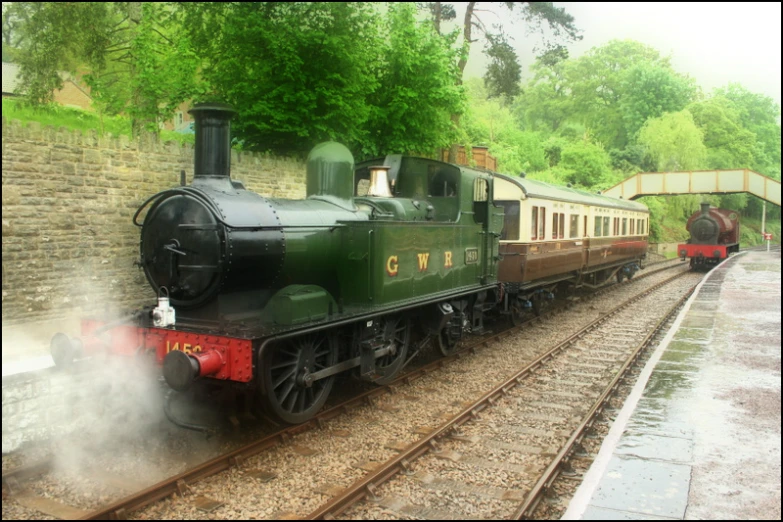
x: 463, y: 61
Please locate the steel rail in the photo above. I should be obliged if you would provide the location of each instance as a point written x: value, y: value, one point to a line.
x: 367, y: 485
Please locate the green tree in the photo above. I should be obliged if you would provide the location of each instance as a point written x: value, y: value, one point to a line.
x: 604, y: 90
x: 546, y: 102
x: 298, y: 73
x: 503, y: 72
x: 533, y: 14
x: 411, y: 109
x: 674, y: 142
x: 136, y: 61
x: 729, y: 146
x: 489, y: 122
x: 649, y: 90
x: 585, y: 164
x: 760, y: 115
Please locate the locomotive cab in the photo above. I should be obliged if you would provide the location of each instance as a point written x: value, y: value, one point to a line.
x: 420, y: 189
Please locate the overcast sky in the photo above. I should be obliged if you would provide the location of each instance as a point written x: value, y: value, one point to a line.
x: 715, y: 42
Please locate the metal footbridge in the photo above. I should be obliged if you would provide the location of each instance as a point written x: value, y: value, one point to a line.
x: 697, y: 182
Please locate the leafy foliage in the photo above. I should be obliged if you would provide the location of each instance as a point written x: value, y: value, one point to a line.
x: 503, y: 72
x: 761, y: 116
x: 674, y: 142
x: 411, y: 109
x: 503, y: 75
x: 491, y: 123
x: 650, y: 90
x: 124, y: 47
x: 729, y: 146
x: 299, y: 73
x: 612, y: 90
x: 584, y: 163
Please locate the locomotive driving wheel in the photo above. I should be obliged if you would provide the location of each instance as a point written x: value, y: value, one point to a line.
x: 396, y: 331
x: 290, y: 392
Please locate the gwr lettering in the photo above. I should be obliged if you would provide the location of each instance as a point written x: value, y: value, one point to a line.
x: 423, y: 261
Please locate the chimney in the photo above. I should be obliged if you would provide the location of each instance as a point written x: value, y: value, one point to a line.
x: 213, y: 140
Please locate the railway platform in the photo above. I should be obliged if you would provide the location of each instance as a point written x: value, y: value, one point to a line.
x: 699, y: 436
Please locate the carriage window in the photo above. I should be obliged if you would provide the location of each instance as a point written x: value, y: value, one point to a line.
x: 639, y: 227
x: 542, y: 223
x: 510, y: 220
x: 534, y: 224
x: 616, y: 227
x: 597, y: 226
x: 555, y: 218
x: 574, y: 228
x: 606, y: 226
x: 630, y: 227
x: 562, y: 226
x: 625, y: 226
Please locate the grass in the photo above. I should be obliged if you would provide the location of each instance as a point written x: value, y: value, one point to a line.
x: 79, y: 120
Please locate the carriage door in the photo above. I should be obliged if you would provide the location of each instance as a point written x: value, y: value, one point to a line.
x: 491, y: 219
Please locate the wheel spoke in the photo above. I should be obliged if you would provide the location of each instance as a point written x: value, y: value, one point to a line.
x: 283, y: 364
x: 287, y: 375
x: 286, y: 392
x: 290, y: 404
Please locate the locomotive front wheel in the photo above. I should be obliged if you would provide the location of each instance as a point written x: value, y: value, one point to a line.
x: 288, y: 393
x: 397, y: 333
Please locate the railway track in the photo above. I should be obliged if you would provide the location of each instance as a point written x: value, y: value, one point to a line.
x: 375, y: 399
x: 553, y: 397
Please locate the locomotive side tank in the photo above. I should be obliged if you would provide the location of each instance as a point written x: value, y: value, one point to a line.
x: 714, y: 234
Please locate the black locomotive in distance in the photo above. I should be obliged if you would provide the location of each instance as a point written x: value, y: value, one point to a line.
x: 714, y: 234
x: 271, y: 299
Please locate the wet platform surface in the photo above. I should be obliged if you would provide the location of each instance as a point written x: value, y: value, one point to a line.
x: 699, y: 437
